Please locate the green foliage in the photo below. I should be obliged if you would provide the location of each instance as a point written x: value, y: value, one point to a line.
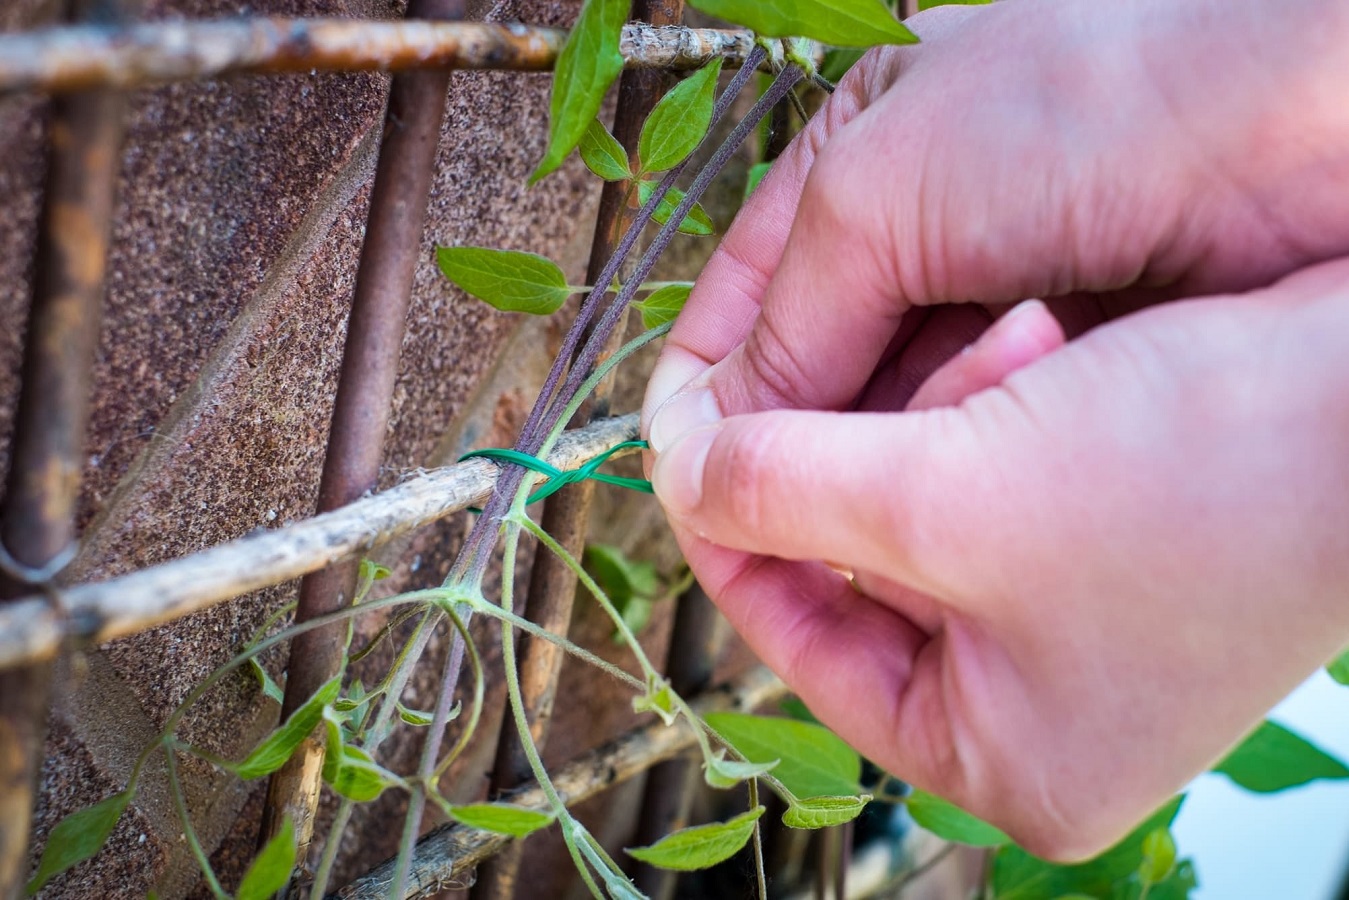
x: 842, y: 23
x: 77, y: 837
x: 1339, y: 668
x: 270, y: 689
x: 278, y: 746
x: 631, y: 585
x: 353, y: 774
x: 507, y: 280
x: 603, y: 154
x: 824, y: 812
x: 419, y: 719
x: 1273, y: 759
x: 658, y: 699
x: 663, y: 305
x: 679, y: 121
x: 697, y: 222
x: 585, y: 68
x: 722, y: 773
x: 812, y: 760
x: 1017, y: 875
x: 946, y: 820
x: 700, y: 846
x: 499, y: 818
x: 1159, y: 857
x: 271, y: 868
x: 756, y: 174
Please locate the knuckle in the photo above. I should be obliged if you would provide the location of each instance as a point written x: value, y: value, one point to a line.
x: 747, y: 475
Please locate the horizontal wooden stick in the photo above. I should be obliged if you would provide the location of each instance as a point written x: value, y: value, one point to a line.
x: 444, y: 858
x: 36, y: 628
x: 79, y: 57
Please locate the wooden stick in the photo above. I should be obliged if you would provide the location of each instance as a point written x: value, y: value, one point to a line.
x: 35, y: 628
x: 72, y: 58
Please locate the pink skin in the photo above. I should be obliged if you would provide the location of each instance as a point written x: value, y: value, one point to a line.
x: 1082, y: 569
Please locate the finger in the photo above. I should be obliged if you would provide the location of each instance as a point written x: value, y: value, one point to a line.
x: 725, y: 301
x: 825, y: 640
x: 1016, y: 340
x: 887, y: 492
x: 945, y: 331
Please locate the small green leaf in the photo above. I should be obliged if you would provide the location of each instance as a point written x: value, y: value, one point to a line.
x: 588, y: 64
x: 603, y: 154
x: 77, y: 837
x: 701, y: 846
x: 679, y: 121
x: 421, y: 719
x: 270, y: 688
x: 1273, y: 759
x: 1339, y: 668
x: 946, y: 820
x: 271, y: 868
x: 722, y: 773
x: 756, y: 174
x: 697, y: 222
x: 928, y: 4
x: 659, y: 699
x: 617, y: 575
x: 278, y: 746
x: 842, y: 23
x: 1159, y: 856
x: 812, y: 760
x: 837, y: 63
x: 373, y: 571
x: 664, y: 304
x: 823, y: 812
x: 507, y: 280
x: 356, y: 776
x: 499, y: 818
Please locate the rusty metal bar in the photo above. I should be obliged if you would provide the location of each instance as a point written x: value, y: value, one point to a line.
x: 552, y: 585
x: 695, y: 643
x: 37, y: 521
x: 444, y: 857
x: 32, y: 629
x: 398, y: 202
x: 81, y: 57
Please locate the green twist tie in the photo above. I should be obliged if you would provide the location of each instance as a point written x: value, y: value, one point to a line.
x: 558, y: 479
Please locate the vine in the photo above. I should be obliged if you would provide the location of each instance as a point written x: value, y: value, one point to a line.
x: 816, y: 775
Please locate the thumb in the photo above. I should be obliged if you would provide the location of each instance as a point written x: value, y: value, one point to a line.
x: 820, y: 485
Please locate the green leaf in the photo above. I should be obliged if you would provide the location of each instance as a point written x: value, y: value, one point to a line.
x: 946, y: 820
x: 372, y: 571
x: 618, y: 576
x: 928, y: 4
x: 697, y: 222
x: 812, y: 760
x: 278, y: 746
x: 1339, y: 668
x: 270, y: 688
x: 499, y: 818
x: 1017, y: 875
x: 421, y: 719
x: 1159, y: 856
x: 701, y: 846
x: 664, y: 304
x: 658, y: 699
x: 356, y: 776
x: 1273, y: 759
x: 756, y: 174
x: 842, y: 23
x: 824, y: 812
x: 679, y: 121
x: 271, y: 868
x: 587, y: 65
x: 507, y: 280
x: 837, y: 63
x: 77, y: 837
x: 722, y: 773
x: 603, y: 154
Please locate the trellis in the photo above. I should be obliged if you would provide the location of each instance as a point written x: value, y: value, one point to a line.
x: 87, y: 66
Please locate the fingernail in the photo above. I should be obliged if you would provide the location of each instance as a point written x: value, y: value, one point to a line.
x: 678, y: 476
x: 682, y: 413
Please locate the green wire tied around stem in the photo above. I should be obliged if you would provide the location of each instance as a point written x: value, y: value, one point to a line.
x: 558, y: 478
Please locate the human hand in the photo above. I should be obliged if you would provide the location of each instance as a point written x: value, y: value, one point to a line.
x: 1056, y: 558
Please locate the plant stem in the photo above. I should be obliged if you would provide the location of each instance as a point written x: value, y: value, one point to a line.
x: 189, y: 831
x: 757, y: 840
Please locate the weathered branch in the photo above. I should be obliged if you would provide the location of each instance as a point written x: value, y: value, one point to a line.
x: 72, y: 58
x: 445, y: 856
x: 34, y: 628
